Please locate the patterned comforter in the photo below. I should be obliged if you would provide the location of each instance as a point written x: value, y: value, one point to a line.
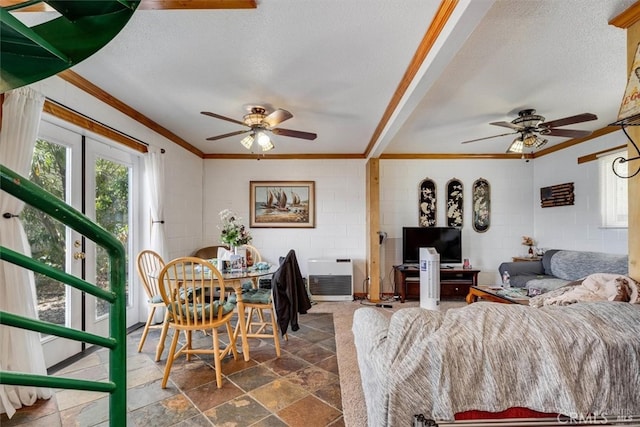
x: 575, y: 360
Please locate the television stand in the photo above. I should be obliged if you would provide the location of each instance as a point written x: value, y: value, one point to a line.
x: 454, y: 282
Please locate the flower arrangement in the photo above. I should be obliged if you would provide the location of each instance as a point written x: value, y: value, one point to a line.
x: 232, y: 232
x: 527, y: 241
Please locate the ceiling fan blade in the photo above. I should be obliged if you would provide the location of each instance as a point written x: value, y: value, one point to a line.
x: 226, y: 135
x: 584, y: 117
x: 487, y: 137
x: 568, y: 133
x: 218, y: 116
x: 277, y: 117
x: 294, y: 133
x: 507, y: 125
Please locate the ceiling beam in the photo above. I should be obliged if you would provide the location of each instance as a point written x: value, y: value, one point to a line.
x: 196, y: 4
x: 153, y: 5
x: 437, y: 24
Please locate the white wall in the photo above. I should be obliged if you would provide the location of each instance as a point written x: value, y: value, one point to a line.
x: 577, y: 226
x: 340, y: 208
x: 197, y: 190
x: 511, y: 214
x: 515, y: 206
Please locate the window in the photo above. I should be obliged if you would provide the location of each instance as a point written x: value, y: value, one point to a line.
x: 613, y: 192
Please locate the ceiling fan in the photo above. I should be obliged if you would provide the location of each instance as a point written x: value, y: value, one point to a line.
x: 531, y: 126
x: 259, y: 123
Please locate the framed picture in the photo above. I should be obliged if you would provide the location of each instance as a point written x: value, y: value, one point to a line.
x: 282, y: 204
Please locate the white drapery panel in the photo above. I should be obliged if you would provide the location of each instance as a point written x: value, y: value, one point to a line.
x: 154, y: 170
x: 20, y: 349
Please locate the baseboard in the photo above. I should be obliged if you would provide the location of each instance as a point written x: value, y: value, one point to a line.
x: 362, y: 295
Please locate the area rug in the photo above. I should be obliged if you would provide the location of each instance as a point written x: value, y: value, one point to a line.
x: 353, y: 405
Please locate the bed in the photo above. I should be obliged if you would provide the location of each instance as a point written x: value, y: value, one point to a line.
x: 491, y: 360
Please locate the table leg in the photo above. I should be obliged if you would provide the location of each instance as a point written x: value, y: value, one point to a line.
x: 472, y: 296
x: 242, y: 329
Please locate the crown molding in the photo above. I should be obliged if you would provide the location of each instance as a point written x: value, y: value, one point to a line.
x: 627, y: 18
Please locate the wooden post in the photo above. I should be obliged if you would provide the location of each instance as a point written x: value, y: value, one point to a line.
x: 630, y: 20
x: 373, y: 226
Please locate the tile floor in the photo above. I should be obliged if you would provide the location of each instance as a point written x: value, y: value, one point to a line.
x: 301, y: 388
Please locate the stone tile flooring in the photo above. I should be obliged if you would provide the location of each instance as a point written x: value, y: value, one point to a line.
x: 300, y: 388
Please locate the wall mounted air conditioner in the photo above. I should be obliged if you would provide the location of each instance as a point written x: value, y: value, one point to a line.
x: 331, y: 279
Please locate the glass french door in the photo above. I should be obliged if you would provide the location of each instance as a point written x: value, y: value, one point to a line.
x: 99, y: 180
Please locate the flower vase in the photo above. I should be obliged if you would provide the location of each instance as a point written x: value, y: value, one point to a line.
x: 530, y: 252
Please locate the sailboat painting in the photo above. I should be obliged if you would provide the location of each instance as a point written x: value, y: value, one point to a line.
x: 282, y: 204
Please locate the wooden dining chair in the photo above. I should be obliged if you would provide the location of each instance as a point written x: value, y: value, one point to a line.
x: 207, y: 252
x: 149, y: 264
x: 258, y: 304
x: 194, y: 293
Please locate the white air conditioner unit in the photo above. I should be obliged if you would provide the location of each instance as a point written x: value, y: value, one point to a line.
x: 331, y: 279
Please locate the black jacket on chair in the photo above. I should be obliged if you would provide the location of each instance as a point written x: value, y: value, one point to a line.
x: 289, y: 293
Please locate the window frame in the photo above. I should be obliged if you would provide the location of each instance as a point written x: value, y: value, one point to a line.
x: 614, y: 193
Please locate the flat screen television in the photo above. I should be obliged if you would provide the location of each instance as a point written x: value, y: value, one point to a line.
x: 447, y: 241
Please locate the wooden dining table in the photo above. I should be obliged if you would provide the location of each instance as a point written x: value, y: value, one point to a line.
x: 233, y: 281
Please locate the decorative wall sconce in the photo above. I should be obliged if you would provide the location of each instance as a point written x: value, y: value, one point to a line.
x: 630, y: 121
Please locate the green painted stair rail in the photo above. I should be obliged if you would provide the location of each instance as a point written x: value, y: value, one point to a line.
x: 30, y: 54
x: 35, y: 196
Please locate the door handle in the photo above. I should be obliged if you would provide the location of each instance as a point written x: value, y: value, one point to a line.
x: 78, y: 255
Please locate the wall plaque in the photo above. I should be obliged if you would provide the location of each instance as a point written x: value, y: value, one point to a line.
x: 557, y: 195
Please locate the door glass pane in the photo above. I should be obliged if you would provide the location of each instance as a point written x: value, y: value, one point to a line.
x: 112, y: 213
x: 46, y: 235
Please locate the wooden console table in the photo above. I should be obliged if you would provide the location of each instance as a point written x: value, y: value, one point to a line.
x: 525, y: 259
x: 454, y: 283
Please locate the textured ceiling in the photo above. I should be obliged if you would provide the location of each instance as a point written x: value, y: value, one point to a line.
x: 558, y: 57
x: 335, y: 65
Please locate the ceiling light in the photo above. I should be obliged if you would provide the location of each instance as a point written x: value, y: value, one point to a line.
x: 528, y: 140
x: 539, y: 142
x: 517, y: 146
x: 264, y: 141
x: 247, y: 141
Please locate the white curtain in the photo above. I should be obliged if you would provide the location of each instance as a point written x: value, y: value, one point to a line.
x: 20, y: 350
x: 154, y: 168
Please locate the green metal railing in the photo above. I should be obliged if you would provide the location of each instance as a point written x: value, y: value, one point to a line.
x: 35, y: 196
x: 81, y: 28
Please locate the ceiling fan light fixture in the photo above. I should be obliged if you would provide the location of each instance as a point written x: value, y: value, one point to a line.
x: 264, y: 141
x: 247, y: 141
x: 253, y: 119
x: 539, y: 142
x: 529, y: 140
x: 517, y: 146
x: 528, y: 119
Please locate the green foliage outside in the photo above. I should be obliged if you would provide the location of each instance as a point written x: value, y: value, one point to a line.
x: 47, y: 236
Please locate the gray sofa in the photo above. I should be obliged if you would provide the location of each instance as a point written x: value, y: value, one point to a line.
x: 559, y: 267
